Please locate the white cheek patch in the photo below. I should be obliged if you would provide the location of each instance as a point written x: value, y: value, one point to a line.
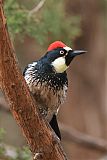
x: 59, y: 65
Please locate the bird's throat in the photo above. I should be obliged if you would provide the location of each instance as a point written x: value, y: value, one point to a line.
x: 59, y: 65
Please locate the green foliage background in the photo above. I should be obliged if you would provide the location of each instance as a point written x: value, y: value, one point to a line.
x: 50, y: 23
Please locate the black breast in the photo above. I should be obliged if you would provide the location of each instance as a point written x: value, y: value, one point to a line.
x: 46, y: 73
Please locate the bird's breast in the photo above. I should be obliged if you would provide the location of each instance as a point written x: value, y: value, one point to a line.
x: 49, y: 90
x: 48, y: 98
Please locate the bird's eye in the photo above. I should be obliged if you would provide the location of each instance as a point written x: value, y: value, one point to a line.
x: 61, y: 52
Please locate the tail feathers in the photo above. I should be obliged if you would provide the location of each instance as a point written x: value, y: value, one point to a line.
x: 54, y: 124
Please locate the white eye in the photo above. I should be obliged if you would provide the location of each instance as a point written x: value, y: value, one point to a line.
x: 61, y: 52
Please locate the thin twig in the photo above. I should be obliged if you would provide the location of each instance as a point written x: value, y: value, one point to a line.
x: 73, y: 135
x: 36, y: 8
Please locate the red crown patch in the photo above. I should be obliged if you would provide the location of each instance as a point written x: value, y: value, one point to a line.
x: 56, y: 44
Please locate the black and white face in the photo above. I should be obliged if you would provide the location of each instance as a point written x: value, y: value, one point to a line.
x: 60, y: 63
x: 61, y: 58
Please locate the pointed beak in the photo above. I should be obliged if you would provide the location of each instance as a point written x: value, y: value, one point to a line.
x: 72, y: 54
x: 77, y: 52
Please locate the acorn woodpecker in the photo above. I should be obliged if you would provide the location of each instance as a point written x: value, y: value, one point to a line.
x: 48, y: 82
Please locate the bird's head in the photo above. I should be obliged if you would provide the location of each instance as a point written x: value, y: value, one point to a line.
x: 60, y: 55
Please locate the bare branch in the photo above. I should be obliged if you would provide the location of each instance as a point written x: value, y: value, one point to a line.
x: 73, y: 135
x: 36, y: 8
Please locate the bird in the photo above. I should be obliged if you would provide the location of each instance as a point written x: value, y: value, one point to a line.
x: 48, y: 82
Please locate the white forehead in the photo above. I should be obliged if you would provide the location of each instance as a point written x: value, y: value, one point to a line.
x: 67, y: 48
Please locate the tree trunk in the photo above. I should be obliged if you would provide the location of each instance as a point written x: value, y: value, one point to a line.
x: 37, y: 132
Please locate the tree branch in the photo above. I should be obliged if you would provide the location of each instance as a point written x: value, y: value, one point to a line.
x: 37, y: 133
x: 73, y: 135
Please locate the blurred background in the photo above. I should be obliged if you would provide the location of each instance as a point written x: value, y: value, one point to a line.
x: 81, y: 24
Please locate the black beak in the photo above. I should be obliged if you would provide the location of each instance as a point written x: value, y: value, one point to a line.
x: 72, y: 54
x: 77, y: 52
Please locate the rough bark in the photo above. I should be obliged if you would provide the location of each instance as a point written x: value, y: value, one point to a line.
x: 38, y: 135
